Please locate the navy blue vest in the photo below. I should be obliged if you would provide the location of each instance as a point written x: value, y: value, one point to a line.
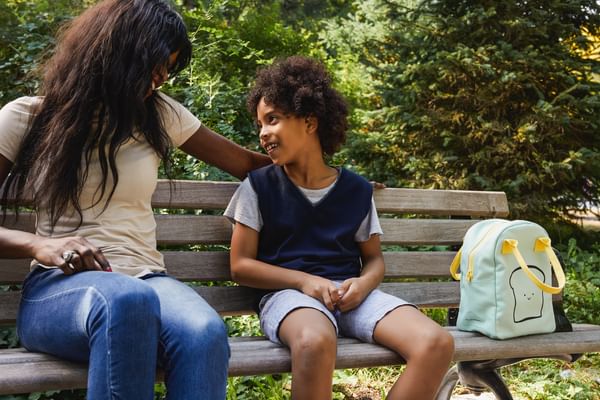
x: 317, y: 239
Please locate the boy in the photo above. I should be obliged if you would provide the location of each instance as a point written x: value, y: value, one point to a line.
x: 309, y: 234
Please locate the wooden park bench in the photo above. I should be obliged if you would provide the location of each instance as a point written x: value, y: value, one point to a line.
x: 409, y: 217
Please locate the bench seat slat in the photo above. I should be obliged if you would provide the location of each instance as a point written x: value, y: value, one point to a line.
x: 21, y: 371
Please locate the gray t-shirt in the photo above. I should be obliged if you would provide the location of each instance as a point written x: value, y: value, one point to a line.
x: 243, y: 208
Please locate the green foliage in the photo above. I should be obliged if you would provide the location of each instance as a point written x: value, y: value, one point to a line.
x: 8, y: 337
x: 49, y: 395
x: 264, y: 387
x: 231, y: 40
x: 27, y: 30
x: 484, y: 95
x: 555, y: 380
x: 244, y: 325
x: 582, y: 292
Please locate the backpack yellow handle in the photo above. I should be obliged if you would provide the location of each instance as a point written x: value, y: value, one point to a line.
x: 541, y: 244
x: 456, y: 265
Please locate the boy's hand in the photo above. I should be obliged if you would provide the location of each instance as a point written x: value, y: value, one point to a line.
x: 321, y: 289
x: 352, y: 292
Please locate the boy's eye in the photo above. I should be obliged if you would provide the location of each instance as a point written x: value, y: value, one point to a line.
x: 272, y: 118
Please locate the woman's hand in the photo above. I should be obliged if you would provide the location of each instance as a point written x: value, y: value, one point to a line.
x: 70, y: 254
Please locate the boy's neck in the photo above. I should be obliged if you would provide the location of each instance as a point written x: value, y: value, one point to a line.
x: 318, y: 176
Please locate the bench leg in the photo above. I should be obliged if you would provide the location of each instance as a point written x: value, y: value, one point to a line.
x: 480, y: 376
x: 477, y: 376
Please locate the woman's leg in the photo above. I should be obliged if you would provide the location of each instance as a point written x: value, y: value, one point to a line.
x: 108, y: 319
x: 193, y: 349
x: 312, y: 340
x: 426, y: 347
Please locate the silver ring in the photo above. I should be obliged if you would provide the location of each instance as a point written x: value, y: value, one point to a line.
x: 68, y: 256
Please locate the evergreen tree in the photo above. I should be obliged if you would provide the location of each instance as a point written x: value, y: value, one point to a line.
x: 487, y: 95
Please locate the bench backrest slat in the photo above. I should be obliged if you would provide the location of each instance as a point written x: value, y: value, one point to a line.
x: 236, y: 300
x: 213, y: 229
x: 214, y: 265
x: 216, y: 195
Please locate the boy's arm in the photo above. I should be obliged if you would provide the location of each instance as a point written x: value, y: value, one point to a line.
x: 355, y: 290
x: 247, y: 270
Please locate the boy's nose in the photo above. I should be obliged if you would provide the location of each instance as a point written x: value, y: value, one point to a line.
x: 263, y: 134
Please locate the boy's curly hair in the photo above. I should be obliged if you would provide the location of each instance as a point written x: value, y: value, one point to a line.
x: 301, y: 86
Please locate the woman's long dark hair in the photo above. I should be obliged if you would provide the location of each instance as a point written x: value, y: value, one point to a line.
x: 95, y: 90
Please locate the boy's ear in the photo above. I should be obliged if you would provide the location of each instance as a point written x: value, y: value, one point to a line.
x: 312, y: 123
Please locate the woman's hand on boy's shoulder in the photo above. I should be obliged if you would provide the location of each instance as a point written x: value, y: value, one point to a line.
x: 377, y: 185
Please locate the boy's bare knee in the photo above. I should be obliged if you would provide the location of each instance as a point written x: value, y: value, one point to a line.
x: 438, y: 343
x: 313, y: 344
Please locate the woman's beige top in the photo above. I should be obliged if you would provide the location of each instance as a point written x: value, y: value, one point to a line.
x: 126, y: 230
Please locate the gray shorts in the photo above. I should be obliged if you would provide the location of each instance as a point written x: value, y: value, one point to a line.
x: 357, y: 323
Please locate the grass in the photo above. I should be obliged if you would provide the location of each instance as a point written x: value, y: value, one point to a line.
x: 540, y: 379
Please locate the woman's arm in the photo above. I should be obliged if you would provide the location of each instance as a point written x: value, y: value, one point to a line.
x: 355, y: 290
x: 247, y: 270
x: 224, y: 154
x: 48, y: 251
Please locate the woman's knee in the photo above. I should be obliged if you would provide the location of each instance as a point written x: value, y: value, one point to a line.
x: 133, y: 304
x: 195, y: 337
x: 213, y: 333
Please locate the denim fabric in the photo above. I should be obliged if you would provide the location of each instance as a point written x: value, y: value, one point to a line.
x: 124, y: 327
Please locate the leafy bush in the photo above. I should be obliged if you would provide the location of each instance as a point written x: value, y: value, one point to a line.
x: 582, y: 292
x: 27, y: 31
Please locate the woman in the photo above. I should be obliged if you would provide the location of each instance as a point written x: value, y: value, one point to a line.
x: 88, y: 149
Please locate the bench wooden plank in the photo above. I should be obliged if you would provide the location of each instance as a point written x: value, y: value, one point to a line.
x: 210, y: 229
x: 193, y: 194
x: 420, y: 232
x: 214, y: 265
x: 441, y: 202
x: 215, y: 195
x: 237, y: 300
x: 185, y: 229
x: 22, y: 371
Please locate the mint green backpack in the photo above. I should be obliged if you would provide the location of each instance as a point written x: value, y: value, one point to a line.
x: 506, y: 279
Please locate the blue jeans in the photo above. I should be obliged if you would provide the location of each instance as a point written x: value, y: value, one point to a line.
x: 125, y: 327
